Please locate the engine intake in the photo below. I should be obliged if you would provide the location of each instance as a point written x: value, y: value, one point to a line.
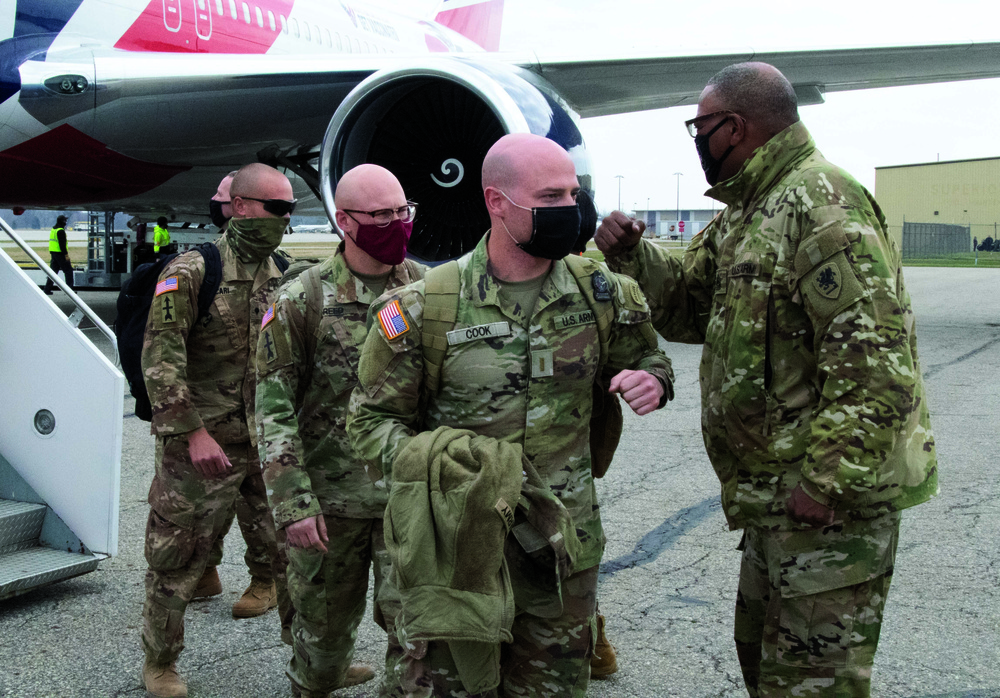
x: 432, y: 125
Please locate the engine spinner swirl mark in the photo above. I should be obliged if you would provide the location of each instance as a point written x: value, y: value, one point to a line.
x: 450, y: 167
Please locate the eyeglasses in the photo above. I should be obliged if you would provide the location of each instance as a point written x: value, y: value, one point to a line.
x: 277, y: 207
x: 383, y: 216
x: 692, y: 124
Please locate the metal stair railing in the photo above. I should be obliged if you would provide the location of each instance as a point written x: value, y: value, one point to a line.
x: 82, y: 309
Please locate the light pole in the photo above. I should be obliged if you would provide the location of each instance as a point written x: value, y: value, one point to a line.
x: 619, y: 178
x: 679, y: 175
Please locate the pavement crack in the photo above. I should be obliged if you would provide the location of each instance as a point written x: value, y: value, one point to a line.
x: 934, y: 368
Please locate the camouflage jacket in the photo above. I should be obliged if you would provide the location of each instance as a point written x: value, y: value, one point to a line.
x: 517, y: 381
x: 307, y: 368
x: 201, y: 372
x: 809, y: 372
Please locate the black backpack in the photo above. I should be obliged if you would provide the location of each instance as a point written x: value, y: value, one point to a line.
x: 134, y: 301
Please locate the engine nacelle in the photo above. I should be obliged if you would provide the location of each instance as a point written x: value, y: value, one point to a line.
x: 431, y: 125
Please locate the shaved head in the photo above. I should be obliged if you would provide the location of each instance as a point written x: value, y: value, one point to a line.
x: 513, y: 155
x: 759, y: 92
x: 368, y: 188
x: 260, y: 181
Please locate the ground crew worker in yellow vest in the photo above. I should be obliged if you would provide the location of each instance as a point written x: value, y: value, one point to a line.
x: 161, y: 235
x: 59, y: 254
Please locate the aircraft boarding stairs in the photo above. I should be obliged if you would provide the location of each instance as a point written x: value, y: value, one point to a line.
x: 61, y: 410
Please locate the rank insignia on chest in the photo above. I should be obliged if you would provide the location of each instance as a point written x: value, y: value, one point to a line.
x: 602, y: 291
x: 827, y: 281
x: 166, y: 286
x: 392, y: 320
x: 268, y: 316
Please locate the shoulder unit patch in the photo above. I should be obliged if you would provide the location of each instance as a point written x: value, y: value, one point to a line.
x: 827, y: 281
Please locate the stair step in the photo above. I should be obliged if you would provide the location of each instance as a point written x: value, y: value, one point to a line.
x: 26, y: 569
x: 19, y: 522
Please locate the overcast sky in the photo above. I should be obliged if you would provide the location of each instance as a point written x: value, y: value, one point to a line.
x: 856, y: 130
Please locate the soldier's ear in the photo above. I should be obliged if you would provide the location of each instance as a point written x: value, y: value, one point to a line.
x: 494, y: 200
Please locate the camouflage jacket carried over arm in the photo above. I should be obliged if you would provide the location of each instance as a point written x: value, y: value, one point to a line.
x: 200, y: 372
x: 505, y: 376
x: 810, y: 373
x: 307, y: 368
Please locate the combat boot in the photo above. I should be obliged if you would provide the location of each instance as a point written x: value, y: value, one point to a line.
x: 356, y: 674
x: 163, y: 681
x: 208, y: 585
x: 605, y: 660
x: 258, y: 599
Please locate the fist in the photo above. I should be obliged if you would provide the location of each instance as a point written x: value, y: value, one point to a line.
x: 618, y: 233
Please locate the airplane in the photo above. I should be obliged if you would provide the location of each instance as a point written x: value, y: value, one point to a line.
x: 142, y: 106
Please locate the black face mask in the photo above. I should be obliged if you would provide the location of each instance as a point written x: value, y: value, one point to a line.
x: 215, y: 212
x: 709, y: 164
x: 554, y: 230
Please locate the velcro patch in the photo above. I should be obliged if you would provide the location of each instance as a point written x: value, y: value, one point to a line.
x: 574, y: 320
x: 267, y: 343
x: 505, y: 512
x: 471, y: 334
x: 268, y: 316
x: 392, y: 320
x: 745, y: 269
x: 166, y: 286
x: 828, y: 281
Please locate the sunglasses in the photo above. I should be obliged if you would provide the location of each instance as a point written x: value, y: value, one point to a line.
x: 277, y: 207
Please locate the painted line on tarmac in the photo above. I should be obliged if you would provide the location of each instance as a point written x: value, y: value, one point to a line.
x: 662, y: 537
x: 931, y: 370
x: 979, y: 693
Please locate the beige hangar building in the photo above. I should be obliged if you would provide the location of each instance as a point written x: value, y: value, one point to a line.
x: 962, y: 193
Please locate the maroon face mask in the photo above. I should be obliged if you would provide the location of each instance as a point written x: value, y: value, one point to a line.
x: 388, y: 244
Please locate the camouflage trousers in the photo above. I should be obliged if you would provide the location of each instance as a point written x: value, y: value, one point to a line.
x: 257, y: 557
x: 187, y: 513
x: 809, y: 607
x: 329, y: 593
x: 549, y: 658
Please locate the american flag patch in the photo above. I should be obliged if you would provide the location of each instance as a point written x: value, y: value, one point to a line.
x: 268, y: 316
x: 166, y: 286
x: 393, y: 322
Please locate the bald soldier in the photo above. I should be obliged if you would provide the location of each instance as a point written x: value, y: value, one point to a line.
x: 320, y: 493
x: 517, y: 374
x: 814, y: 412
x: 199, y: 372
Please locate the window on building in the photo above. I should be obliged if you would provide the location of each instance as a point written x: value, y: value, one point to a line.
x: 336, y: 38
x: 329, y: 39
x: 218, y: 8
x: 260, y: 17
x: 284, y: 25
x: 246, y: 13
x: 319, y: 37
x: 295, y: 26
x: 232, y: 8
x: 270, y: 20
x: 305, y: 31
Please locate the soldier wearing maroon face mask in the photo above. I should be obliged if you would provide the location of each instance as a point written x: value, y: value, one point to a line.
x: 320, y: 494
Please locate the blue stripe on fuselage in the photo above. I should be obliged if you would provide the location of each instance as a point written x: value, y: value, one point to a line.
x: 37, y: 23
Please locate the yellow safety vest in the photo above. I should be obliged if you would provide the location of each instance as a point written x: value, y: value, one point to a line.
x: 54, y: 240
x: 161, y: 238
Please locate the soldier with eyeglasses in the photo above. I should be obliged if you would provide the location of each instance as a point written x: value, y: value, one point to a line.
x: 320, y: 494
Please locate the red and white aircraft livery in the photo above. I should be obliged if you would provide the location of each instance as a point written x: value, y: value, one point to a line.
x: 142, y: 106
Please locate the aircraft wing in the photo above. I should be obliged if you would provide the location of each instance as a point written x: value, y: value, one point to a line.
x: 596, y: 87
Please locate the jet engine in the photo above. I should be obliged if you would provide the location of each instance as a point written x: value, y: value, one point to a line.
x: 431, y: 124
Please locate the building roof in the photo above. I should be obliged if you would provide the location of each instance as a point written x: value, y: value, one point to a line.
x: 938, y: 162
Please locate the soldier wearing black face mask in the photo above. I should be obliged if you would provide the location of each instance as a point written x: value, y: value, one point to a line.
x: 220, y: 206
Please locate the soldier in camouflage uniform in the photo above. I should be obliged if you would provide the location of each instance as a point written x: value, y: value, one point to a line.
x: 199, y: 372
x: 321, y: 495
x: 520, y: 368
x: 814, y: 412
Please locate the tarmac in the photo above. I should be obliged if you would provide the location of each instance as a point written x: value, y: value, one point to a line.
x: 669, y: 572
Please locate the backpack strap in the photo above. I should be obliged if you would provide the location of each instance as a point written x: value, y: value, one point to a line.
x: 213, y: 277
x: 442, y: 285
x: 583, y: 270
x: 281, y: 261
x: 313, y: 286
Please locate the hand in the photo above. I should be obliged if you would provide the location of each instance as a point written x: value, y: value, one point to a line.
x: 308, y: 533
x: 207, y: 456
x: 641, y: 390
x: 805, y: 509
x: 618, y: 233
